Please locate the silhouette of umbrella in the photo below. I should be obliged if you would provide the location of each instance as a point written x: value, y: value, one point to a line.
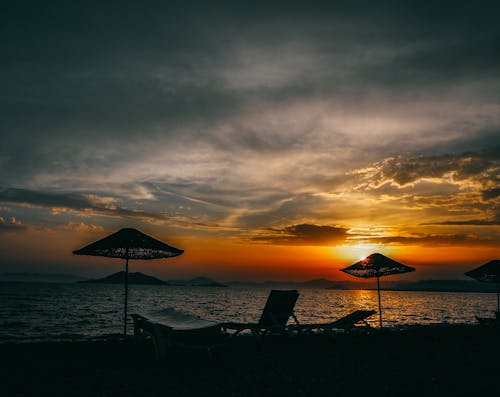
x: 377, y: 265
x: 488, y: 273
x: 129, y: 244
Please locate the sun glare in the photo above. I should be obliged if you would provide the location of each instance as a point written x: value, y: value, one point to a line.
x: 358, y: 252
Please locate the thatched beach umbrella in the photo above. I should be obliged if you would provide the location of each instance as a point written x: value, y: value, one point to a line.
x: 377, y: 265
x: 129, y: 244
x: 488, y: 273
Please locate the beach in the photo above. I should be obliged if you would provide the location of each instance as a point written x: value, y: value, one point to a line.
x: 444, y: 360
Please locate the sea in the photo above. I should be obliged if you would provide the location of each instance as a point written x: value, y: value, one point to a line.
x: 31, y: 312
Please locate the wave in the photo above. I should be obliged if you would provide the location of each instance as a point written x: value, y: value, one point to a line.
x: 178, y: 319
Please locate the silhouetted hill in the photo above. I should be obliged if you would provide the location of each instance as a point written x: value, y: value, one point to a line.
x: 40, y: 277
x: 133, y: 278
x: 141, y: 278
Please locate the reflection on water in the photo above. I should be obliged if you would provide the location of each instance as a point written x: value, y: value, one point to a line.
x: 43, y: 311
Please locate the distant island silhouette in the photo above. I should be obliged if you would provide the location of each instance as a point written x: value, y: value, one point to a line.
x: 320, y: 283
x: 144, y: 279
x: 133, y: 278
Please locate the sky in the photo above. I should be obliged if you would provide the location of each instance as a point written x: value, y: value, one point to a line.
x: 269, y: 140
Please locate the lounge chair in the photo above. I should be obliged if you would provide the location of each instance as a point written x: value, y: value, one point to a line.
x: 345, y: 323
x: 274, y: 318
x: 167, y: 333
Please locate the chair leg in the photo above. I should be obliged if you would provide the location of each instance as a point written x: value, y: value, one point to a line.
x: 162, y: 343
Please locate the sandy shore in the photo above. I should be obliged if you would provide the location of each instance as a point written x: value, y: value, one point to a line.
x: 423, y: 361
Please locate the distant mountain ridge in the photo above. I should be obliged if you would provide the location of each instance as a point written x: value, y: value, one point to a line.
x: 144, y: 279
x: 133, y: 278
x: 430, y: 285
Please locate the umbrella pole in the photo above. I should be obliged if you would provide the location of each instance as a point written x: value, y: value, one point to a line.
x: 379, y: 304
x: 126, y: 299
x: 498, y: 296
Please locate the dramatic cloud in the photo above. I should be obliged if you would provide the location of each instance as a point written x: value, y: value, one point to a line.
x: 156, y: 92
x: 11, y: 225
x: 453, y: 189
x: 304, y: 235
x: 479, y: 168
x: 236, y: 121
x: 84, y: 204
x: 82, y: 227
x: 492, y: 218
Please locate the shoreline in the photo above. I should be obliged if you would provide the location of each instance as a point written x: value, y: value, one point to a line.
x: 433, y: 360
x: 81, y: 338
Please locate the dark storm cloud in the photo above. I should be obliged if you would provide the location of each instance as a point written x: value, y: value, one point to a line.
x: 489, y: 194
x: 89, y: 204
x: 304, y: 234
x: 93, y: 72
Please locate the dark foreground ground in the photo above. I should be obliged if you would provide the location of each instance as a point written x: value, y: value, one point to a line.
x: 421, y: 361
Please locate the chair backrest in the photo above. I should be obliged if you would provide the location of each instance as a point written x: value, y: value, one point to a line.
x: 278, y: 309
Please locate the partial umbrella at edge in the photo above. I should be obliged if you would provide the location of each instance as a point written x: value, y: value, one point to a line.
x: 488, y: 273
x: 129, y: 244
x: 377, y: 265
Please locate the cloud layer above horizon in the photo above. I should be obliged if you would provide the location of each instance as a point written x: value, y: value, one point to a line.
x: 287, y: 123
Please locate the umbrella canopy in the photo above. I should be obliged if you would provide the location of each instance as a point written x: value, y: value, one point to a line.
x: 377, y: 265
x: 129, y: 244
x: 488, y: 273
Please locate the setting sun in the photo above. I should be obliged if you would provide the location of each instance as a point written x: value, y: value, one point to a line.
x: 358, y: 252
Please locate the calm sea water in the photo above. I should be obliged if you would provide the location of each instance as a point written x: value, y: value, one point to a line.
x: 39, y: 311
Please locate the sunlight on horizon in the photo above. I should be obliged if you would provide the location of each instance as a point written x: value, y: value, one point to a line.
x: 358, y: 252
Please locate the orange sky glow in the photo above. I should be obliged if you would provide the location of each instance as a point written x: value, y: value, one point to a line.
x: 233, y: 260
